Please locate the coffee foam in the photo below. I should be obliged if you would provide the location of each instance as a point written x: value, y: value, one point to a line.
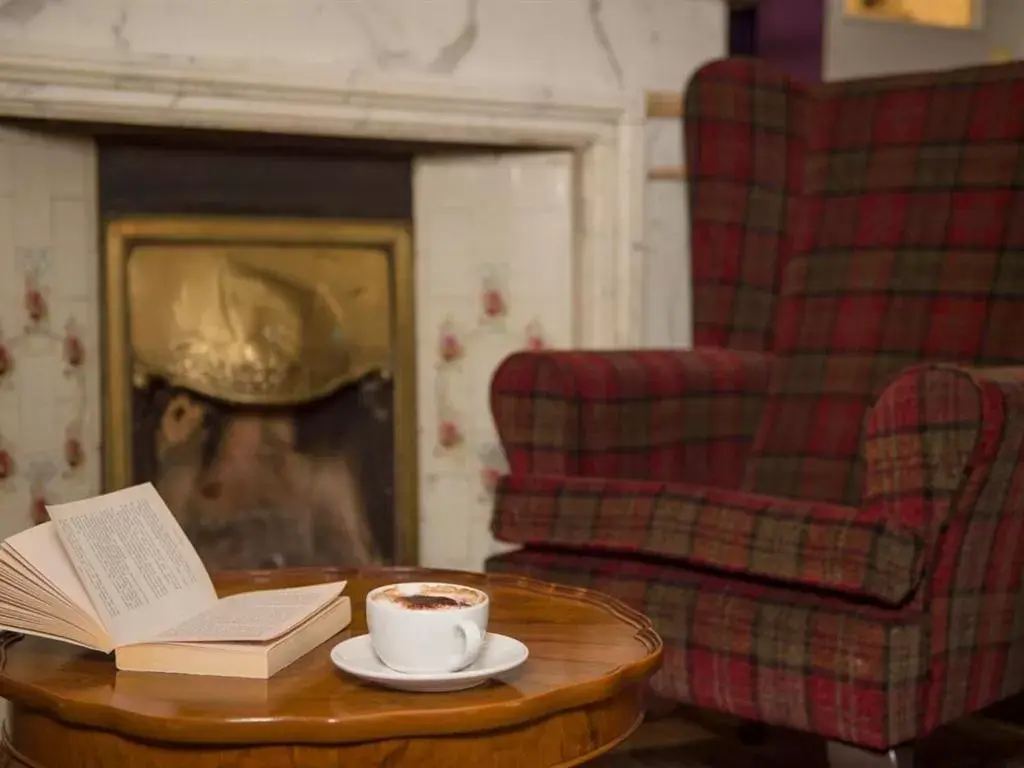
x: 431, y: 597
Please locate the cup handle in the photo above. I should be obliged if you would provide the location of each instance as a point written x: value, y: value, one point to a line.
x: 474, y: 639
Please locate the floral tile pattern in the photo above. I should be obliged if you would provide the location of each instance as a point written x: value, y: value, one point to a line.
x: 483, y: 303
x: 49, y: 369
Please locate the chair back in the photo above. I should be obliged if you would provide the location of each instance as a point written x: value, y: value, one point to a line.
x: 745, y: 137
x: 906, y: 245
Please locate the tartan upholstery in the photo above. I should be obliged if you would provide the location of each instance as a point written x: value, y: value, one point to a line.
x: 807, y: 543
x: 638, y: 414
x: 908, y: 246
x: 860, y: 575
x: 764, y: 653
x: 745, y: 135
x: 845, y: 669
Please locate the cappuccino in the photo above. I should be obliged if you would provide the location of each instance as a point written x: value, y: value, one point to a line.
x: 426, y: 628
x: 430, y: 597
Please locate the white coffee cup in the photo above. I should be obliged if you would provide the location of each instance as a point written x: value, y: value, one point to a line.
x: 425, y: 628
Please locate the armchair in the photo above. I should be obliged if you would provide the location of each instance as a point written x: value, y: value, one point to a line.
x: 821, y: 507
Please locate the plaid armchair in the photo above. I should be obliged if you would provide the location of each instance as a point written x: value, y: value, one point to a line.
x: 821, y: 507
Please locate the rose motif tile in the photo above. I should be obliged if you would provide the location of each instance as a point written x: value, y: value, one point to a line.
x: 536, y: 339
x: 494, y: 295
x: 450, y: 343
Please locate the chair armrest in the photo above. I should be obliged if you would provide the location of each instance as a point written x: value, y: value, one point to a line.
x: 943, y: 456
x: 944, y: 452
x: 648, y: 414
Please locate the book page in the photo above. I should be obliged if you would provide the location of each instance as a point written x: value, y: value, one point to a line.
x: 36, y: 556
x: 140, y: 570
x: 40, y: 547
x: 253, y: 616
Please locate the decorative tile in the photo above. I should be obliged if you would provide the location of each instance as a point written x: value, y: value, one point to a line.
x: 444, y: 537
x: 36, y: 297
x: 49, y: 313
x: 493, y: 295
x: 520, y: 295
x: 536, y: 339
x: 450, y: 346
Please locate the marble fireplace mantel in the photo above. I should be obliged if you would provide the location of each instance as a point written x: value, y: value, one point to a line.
x: 600, y: 165
x: 605, y: 132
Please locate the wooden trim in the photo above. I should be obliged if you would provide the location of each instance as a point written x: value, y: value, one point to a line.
x: 667, y: 173
x: 664, y: 104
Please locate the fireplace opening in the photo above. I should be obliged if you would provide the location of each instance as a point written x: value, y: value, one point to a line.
x: 267, y: 364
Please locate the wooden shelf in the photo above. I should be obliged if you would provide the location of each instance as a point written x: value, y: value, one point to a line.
x: 667, y: 173
x: 664, y: 104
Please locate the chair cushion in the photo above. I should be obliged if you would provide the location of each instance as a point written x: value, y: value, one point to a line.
x: 827, y: 547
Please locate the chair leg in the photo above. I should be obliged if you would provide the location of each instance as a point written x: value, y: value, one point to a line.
x: 844, y: 756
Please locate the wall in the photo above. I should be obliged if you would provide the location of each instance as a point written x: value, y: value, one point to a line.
x: 858, y: 48
x: 597, y: 47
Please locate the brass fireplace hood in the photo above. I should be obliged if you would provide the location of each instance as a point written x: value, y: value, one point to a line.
x: 254, y: 325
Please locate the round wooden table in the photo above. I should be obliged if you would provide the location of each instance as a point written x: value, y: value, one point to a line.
x: 578, y: 696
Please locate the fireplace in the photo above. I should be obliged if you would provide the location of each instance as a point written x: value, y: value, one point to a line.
x: 268, y: 368
x: 551, y: 232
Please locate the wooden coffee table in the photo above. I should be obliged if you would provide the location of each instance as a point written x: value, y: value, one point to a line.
x: 578, y: 696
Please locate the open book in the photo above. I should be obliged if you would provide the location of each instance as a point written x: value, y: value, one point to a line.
x: 117, y: 573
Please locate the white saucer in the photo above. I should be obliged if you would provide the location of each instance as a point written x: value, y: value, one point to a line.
x: 500, y: 654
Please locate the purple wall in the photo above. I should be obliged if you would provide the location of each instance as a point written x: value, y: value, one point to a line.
x: 789, y: 34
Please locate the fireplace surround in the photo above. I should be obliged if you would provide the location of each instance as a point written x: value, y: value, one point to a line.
x: 602, y: 135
